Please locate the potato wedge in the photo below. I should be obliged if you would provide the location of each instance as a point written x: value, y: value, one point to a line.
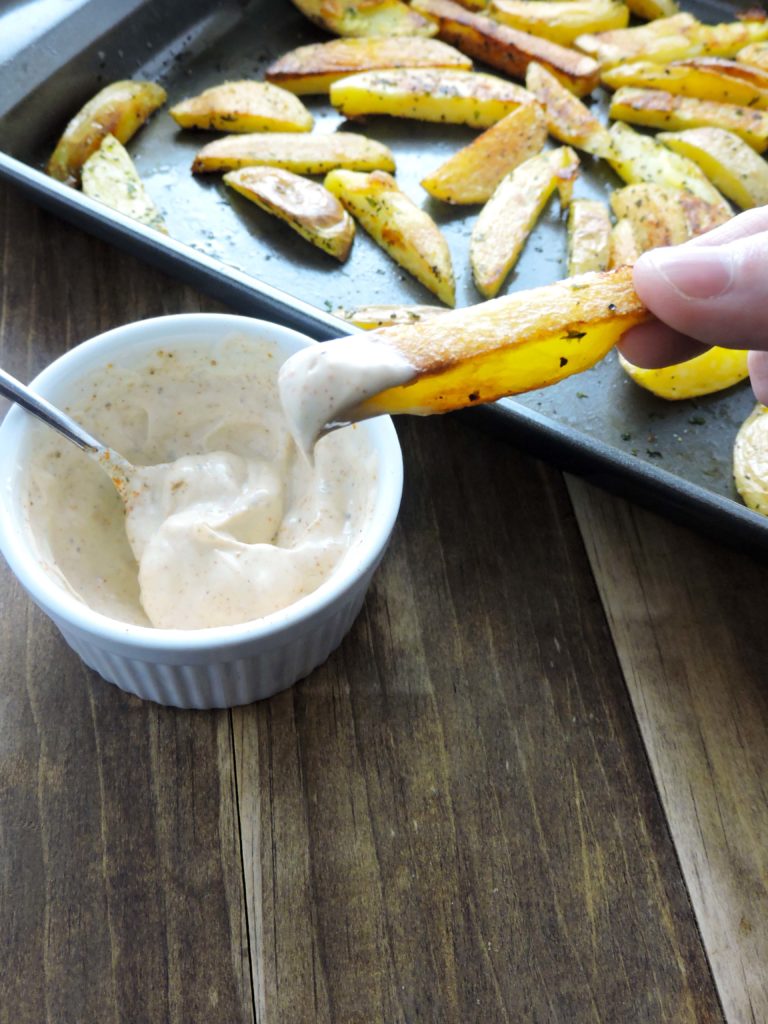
x: 314, y: 68
x: 508, y: 217
x: 120, y: 109
x: 656, y: 216
x: 701, y: 215
x: 637, y: 158
x: 302, y: 154
x: 561, y: 20
x: 405, y: 232
x: 670, y: 39
x: 624, y: 251
x: 507, y: 49
x: 755, y: 56
x: 303, y: 204
x: 506, y: 346
x: 372, y: 317
x: 110, y: 176
x: 750, y: 466
x: 243, y: 107
x: 427, y: 94
x: 654, y: 108
x: 729, y: 163
x: 589, y: 237
x: 472, y: 174
x: 714, y: 370
x: 568, y: 120
x: 651, y: 9
x: 365, y: 17
x: 705, y: 78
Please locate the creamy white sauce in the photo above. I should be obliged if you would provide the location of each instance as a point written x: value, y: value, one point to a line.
x: 227, y: 522
x: 322, y: 386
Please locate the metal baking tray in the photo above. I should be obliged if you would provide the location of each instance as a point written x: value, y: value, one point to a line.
x: 55, y: 54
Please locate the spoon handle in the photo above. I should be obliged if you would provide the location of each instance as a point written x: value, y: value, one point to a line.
x: 19, y: 393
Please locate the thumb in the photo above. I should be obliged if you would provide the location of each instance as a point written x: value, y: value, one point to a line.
x: 713, y: 293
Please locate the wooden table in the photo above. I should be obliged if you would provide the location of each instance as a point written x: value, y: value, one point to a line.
x: 532, y: 785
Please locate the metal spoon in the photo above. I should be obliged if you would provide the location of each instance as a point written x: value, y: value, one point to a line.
x: 118, y: 468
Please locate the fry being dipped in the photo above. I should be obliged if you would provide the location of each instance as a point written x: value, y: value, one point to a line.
x: 520, y: 342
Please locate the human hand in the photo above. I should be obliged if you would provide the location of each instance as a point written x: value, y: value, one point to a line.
x: 712, y: 290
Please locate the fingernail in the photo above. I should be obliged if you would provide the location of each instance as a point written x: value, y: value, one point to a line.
x: 694, y: 273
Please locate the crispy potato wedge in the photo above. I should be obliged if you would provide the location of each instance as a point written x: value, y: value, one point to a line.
x: 429, y: 94
x: 243, y: 107
x: 705, y: 78
x: 589, y: 237
x: 508, y: 217
x: 656, y: 216
x: 109, y: 175
x: 120, y: 109
x: 314, y: 68
x: 755, y: 55
x: 638, y: 158
x: 714, y: 370
x: 568, y: 120
x: 372, y: 317
x: 405, y: 232
x: 750, y: 467
x: 729, y: 163
x: 472, y: 174
x: 624, y: 251
x: 303, y: 204
x: 561, y: 20
x: 506, y: 346
x: 651, y: 9
x: 365, y: 17
x: 670, y: 39
x: 654, y: 108
x: 508, y: 49
x: 701, y: 215
x: 302, y: 154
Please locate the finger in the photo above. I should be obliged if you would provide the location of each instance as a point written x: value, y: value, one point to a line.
x: 714, y: 294
x: 654, y: 344
x: 758, y: 375
x: 751, y: 222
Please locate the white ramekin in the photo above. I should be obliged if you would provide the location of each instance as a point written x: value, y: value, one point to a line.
x: 206, y: 668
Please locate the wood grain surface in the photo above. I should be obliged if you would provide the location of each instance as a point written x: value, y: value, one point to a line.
x: 454, y: 819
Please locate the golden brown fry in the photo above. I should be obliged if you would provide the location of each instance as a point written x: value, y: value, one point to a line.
x: 314, y: 68
x: 506, y: 346
x: 700, y: 215
x: 749, y: 470
x: 568, y: 120
x: 714, y: 370
x: 508, y: 217
x: 365, y: 17
x: 472, y: 174
x: 705, y: 78
x: 372, y: 317
x: 732, y: 167
x: 755, y: 55
x: 303, y: 204
x: 243, y: 107
x: 300, y: 153
x: 652, y: 9
x: 624, y: 248
x: 120, y: 109
x: 110, y: 176
x: 507, y: 49
x: 657, y: 109
x: 656, y: 216
x: 561, y: 20
x: 407, y: 233
x: 589, y: 237
x: 428, y: 94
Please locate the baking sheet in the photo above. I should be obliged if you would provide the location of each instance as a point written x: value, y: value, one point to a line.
x: 673, y: 456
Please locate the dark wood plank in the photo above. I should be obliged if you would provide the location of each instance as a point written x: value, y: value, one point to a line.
x: 688, y: 618
x: 120, y: 868
x: 454, y: 819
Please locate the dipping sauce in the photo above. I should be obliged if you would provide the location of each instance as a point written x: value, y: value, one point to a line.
x: 227, y: 522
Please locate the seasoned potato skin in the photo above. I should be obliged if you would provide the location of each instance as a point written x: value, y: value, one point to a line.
x: 655, y: 108
x: 726, y: 160
x: 561, y: 20
x: 372, y: 317
x: 243, y: 106
x: 120, y: 109
x: 407, y: 233
x: 303, y: 204
x: 508, y: 49
x: 589, y: 237
x: 428, y: 94
x: 704, y: 78
x: 365, y: 17
x: 472, y: 174
x: 506, y: 346
x: 109, y: 175
x: 755, y: 55
x: 656, y: 216
x: 300, y: 153
x: 568, y: 120
x: 313, y: 69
